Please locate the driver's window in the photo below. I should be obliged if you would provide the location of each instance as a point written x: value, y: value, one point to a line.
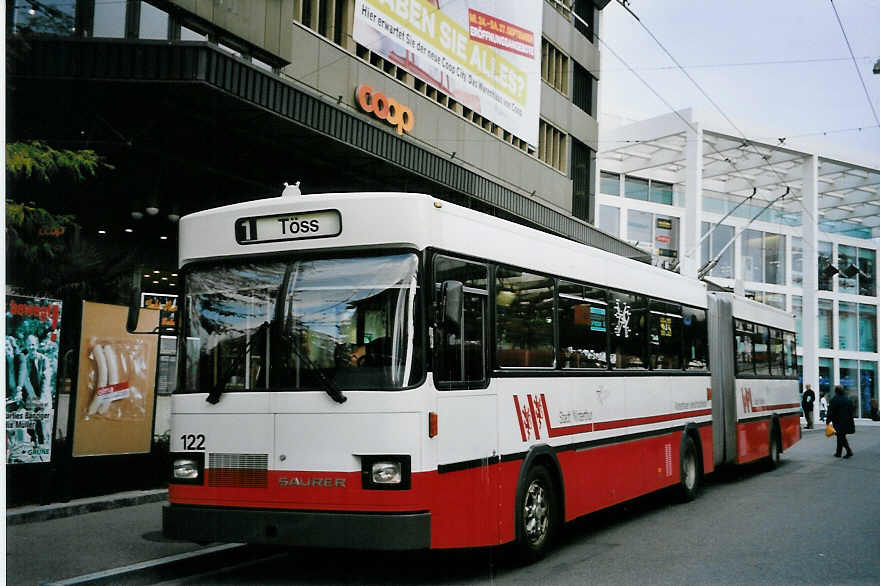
x: 461, y: 349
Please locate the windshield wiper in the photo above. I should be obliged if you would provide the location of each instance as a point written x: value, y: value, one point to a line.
x: 330, y: 387
x: 218, y: 389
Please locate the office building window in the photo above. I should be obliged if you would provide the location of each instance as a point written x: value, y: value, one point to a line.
x: 582, y: 194
x: 826, y: 325
x: 609, y: 183
x: 797, y: 261
x: 153, y: 23
x: 714, y: 244
x: 752, y: 257
x: 47, y: 17
x: 635, y: 188
x: 847, y: 325
x: 661, y: 192
x: 609, y: 220
x: 797, y: 308
x: 826, y: 367
x: 868, y: 389
x: 552, y: 144
x: 776, y: 300
x: 846, y: 256
x: 583, y: 89
x: 849, y: 378
x: 867, y: 327
x: 554, y: 67
x: 638, y: 227
x: 774, y: 258
x: 187, y: 34
x: 824, y: 253
x: 585, y: 24
x: 867, y: 284
x: 109, y: 20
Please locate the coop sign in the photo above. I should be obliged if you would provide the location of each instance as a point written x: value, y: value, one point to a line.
x: 385, y: 108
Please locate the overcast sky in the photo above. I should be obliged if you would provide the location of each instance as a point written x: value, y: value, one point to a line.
x: 720, y: 43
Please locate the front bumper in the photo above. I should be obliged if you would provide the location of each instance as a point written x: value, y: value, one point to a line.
x: 350, y: 530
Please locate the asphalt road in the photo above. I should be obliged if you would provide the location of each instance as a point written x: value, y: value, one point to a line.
x: 813, y: 520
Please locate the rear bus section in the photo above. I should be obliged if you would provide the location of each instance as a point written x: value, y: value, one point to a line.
x: 756, y: 406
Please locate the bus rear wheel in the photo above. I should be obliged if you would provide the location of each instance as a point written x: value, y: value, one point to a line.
x: 537, y: 515
x: 690, y: 472
x: 774, y: 454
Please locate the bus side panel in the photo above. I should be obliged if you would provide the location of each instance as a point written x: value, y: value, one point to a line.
x: 707, y: 441
x: 790, y: 427
x: 604, y: 476
x: 752, y: 440
x: 464, y: 506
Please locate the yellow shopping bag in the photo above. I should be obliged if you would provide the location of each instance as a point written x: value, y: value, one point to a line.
x: 829, y: 430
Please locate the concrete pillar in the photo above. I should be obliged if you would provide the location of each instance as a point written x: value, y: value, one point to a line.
x: 693, y: 198
x: 810, y: 322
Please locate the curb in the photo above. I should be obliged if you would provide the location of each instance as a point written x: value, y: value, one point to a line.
x: 36, y: 513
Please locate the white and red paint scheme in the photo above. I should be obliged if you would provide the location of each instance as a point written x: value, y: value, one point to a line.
x: 607, y: 437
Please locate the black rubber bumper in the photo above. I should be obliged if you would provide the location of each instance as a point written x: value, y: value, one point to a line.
x: 398, y: 531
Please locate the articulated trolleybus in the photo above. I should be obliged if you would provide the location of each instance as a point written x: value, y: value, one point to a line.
x: 392, y: 371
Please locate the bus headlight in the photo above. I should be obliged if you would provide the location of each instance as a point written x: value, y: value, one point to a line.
x: 386, y: 472
x: 187, y: 467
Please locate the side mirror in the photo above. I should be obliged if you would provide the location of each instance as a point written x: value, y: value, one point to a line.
x: 451, y: 303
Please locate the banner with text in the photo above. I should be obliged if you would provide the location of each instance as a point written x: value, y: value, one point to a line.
x: 33, y: 333
x: 485, y: 54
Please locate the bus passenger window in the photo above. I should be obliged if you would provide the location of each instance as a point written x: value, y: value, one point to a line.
x: 524, y: 319
x: 583, y: 326
x: 744, y: 351
x: 696, y: 335
x: 627, y: 317
x: 664, y: 326
x: 790, y: 353
x: 461, y: 356
x: 761, y: 344
x: 776, y: 353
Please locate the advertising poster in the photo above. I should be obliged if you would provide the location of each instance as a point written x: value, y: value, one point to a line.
x: 33, y: 332
x: 485, y: 54
x: 115, y: 386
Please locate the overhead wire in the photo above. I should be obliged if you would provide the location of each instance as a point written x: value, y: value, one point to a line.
x: 858, y: 71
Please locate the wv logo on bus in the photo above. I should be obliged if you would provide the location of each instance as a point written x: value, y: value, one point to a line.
x: 532, y: 415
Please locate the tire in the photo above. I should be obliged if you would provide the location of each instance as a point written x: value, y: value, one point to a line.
x: 689, y: 482
x: 537, y: 519
x: 773, y: 457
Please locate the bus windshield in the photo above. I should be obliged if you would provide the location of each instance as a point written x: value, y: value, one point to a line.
x: 302, y: 324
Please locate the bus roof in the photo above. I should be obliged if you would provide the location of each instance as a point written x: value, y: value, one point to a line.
x: 375, y: 220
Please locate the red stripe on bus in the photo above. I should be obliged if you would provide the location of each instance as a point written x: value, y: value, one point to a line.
x: 772, y: 407
x: 603, y: 425
x: 519, y: 416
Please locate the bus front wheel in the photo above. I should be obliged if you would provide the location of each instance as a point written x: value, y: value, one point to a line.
x: 537, y: 512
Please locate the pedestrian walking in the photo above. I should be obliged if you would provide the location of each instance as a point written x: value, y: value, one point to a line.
x: 807, y: 400
x: 823, y: 406
x: 840, y: 414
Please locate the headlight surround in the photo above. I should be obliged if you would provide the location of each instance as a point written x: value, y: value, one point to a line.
x: 386, y: 472
x: 185, y: 469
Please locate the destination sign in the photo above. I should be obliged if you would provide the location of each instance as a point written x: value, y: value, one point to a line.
x: 281, y: 227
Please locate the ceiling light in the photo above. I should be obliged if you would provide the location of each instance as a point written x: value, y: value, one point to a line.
x: 152, y: 210
x: 137, y: 215
x: 102, y: 231
x: 164, y: 278
x: 173, y: 274
x: 173, y: 217
x: 129, y: 230
x: 163, y: 238
x: 157, y: 282
x: 148, y: 276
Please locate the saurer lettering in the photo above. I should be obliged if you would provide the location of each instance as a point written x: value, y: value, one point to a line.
x: 312, y: 482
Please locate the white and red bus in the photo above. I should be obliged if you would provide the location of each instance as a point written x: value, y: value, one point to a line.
x: 392, y: 371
